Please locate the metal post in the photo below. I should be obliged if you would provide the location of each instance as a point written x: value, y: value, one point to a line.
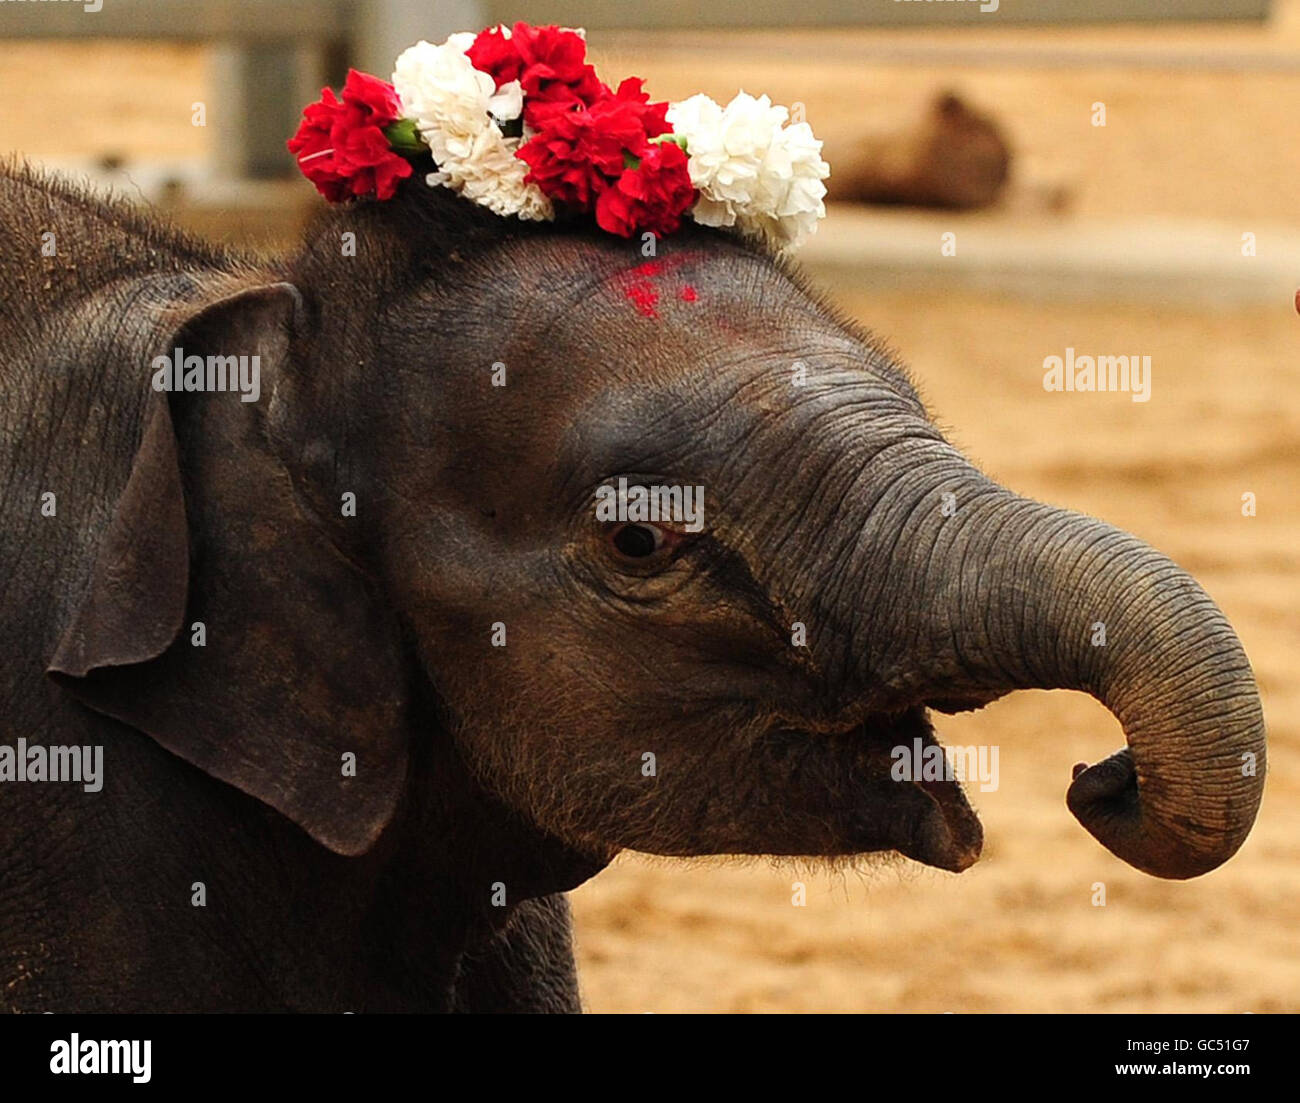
x: 384, y: 28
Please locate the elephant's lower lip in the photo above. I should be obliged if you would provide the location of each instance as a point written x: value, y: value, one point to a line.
x: 946, y: 834
x: 949, y: 837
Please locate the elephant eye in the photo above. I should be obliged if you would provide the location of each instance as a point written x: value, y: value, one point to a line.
x: 640, y: 541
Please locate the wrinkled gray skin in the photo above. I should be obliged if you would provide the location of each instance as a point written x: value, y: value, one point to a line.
x: 510, y: 774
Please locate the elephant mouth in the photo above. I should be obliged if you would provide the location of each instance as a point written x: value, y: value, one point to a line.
x: 938, y: 827
x: 886, y: 784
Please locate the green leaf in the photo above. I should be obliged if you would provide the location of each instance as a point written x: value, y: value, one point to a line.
x: 676, y: 139
x: 404, y: 138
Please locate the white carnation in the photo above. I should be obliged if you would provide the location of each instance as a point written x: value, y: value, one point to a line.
x: 445, y: 95
x: 491, y: 175
x: 456, y: 109
x: 752, y: 170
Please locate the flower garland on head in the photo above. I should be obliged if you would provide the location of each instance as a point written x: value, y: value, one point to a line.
x: 516, y: 120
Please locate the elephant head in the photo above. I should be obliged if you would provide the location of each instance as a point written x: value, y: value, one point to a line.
x: 410, y: 510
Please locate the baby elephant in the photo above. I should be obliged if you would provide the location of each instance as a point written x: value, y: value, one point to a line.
x: 360, y: 602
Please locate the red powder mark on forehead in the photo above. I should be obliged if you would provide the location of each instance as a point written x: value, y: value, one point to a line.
x: 639, y: 289
x: 644, y: 297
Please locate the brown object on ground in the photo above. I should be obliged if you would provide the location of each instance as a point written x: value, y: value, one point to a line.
x: 952, y: 157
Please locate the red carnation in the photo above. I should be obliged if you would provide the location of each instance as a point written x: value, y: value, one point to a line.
x: 341, y: 146
x: 653, y: 116
x: 549, y: 63
x: 652, y: 196
x: 494, y: 53
x: 579, y: 152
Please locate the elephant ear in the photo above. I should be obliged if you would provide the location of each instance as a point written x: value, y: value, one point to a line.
x: 220, y: 620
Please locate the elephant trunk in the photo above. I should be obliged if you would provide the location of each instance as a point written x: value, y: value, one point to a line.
x: 1016, y: 595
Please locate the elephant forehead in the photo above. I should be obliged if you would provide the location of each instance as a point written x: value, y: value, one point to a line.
x: 568, y: 317
x: 699, y: 346
x: 615, y: 282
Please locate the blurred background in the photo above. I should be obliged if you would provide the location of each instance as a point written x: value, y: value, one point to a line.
x: 1114, y: 177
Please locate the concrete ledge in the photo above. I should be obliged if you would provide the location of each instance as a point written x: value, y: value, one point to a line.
x: 1156, y: 260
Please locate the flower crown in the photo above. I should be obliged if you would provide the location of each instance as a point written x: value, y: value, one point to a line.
x: 517, y: 121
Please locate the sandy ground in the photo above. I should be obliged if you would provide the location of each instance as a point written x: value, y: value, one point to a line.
x: 1020, y: 930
